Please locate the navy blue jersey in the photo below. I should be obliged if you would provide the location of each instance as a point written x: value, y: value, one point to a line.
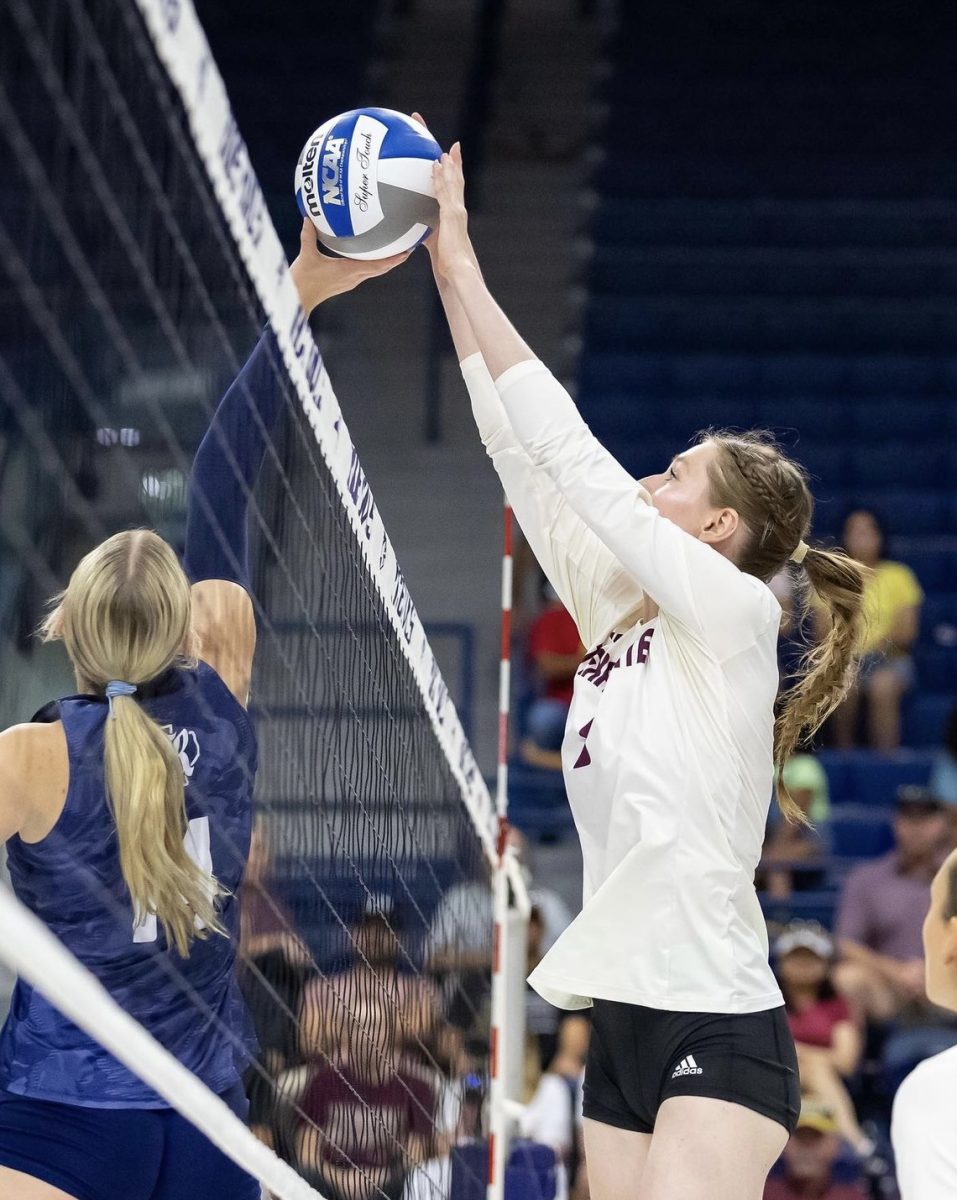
x: 73, y: 882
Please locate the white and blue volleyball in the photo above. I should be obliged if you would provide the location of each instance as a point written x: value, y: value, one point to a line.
x: 364, y: 179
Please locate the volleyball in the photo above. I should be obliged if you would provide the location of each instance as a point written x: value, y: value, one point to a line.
x: 364, y: 179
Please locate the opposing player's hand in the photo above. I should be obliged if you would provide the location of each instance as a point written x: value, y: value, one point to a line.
x: 318, y: 276
x: 453, y: 248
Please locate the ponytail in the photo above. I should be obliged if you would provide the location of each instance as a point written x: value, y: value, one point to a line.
x: 828, y: 669
x: 125, y: 615
x: 146, y: 790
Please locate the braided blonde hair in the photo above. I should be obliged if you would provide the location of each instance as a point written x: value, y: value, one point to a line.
x: 770, y: 493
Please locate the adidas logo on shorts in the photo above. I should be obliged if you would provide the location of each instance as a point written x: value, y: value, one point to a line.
x: 687, y: 1066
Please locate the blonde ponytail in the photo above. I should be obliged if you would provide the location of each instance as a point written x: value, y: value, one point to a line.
x: 125, y: 615
x: 146, y: 787
x: 828, y: 669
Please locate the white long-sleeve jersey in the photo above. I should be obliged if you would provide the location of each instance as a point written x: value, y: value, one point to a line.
x: 924, y: 1130
x: 667, y: 753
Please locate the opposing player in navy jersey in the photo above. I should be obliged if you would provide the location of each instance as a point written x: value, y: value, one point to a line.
x: 691, y: 1084
x: 127, y: 813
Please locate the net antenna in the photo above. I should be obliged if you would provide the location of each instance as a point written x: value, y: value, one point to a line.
x: 512, y: 909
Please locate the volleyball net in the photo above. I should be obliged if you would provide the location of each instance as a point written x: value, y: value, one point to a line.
x: 139, y: 266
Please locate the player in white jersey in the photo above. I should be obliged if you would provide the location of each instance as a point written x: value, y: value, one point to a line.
x: 691, y: 1084
x: 924, y: 1123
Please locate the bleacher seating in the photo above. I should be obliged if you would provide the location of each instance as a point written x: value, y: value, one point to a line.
x: 775, y: 245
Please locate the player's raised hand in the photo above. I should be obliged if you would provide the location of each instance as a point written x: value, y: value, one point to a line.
x: 318, y: 276
x: 453, y: 247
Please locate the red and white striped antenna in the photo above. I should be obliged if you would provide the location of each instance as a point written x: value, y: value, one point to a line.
x: 498, y: 1115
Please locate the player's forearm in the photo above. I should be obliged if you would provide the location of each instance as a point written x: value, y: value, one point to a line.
x: 225, y: 469
x: 462, y: 336
x: 496, y: 337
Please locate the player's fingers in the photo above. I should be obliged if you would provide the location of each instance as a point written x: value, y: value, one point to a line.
x: 381, y: 266
x: 453, y: 172
x: 439, y: 181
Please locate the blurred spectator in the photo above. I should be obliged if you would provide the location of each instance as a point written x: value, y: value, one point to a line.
x: 924, y: 1125
x: 892, y: 600
x: 553, y: 1114
x: 542, y: 1020
x: 881, y: 912
x: 943, y: 779
x: 809, y: 1162
x: 827, y: 1037
x: 459, y: 941
x: 266, y: 924
x: 555, y: 650
x: 787, y: 844
x: 377, y: 972
x: 366, y: 1119
x: 273, y: 966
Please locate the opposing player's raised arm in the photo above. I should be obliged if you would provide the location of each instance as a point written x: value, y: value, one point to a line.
x: 227, y: 464
x: 216, y: 557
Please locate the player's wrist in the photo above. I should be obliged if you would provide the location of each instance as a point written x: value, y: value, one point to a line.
x: 310, y: 292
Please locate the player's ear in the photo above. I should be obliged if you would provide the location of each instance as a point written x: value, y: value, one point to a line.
x: 721, y: 524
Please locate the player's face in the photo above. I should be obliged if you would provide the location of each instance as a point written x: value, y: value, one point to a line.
x: 682, y: 493
x: 940, y: 941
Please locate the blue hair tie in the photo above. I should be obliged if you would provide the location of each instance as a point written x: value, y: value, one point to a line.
x: 116, y: 687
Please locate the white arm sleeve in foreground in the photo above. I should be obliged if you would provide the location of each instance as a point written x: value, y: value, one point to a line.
x: 591, y: 583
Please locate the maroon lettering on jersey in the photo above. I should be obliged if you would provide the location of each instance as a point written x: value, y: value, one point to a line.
x: 584, y: 758
x: 598, y: 665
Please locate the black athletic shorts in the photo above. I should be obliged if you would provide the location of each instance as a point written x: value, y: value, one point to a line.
x: 639, y: 1057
